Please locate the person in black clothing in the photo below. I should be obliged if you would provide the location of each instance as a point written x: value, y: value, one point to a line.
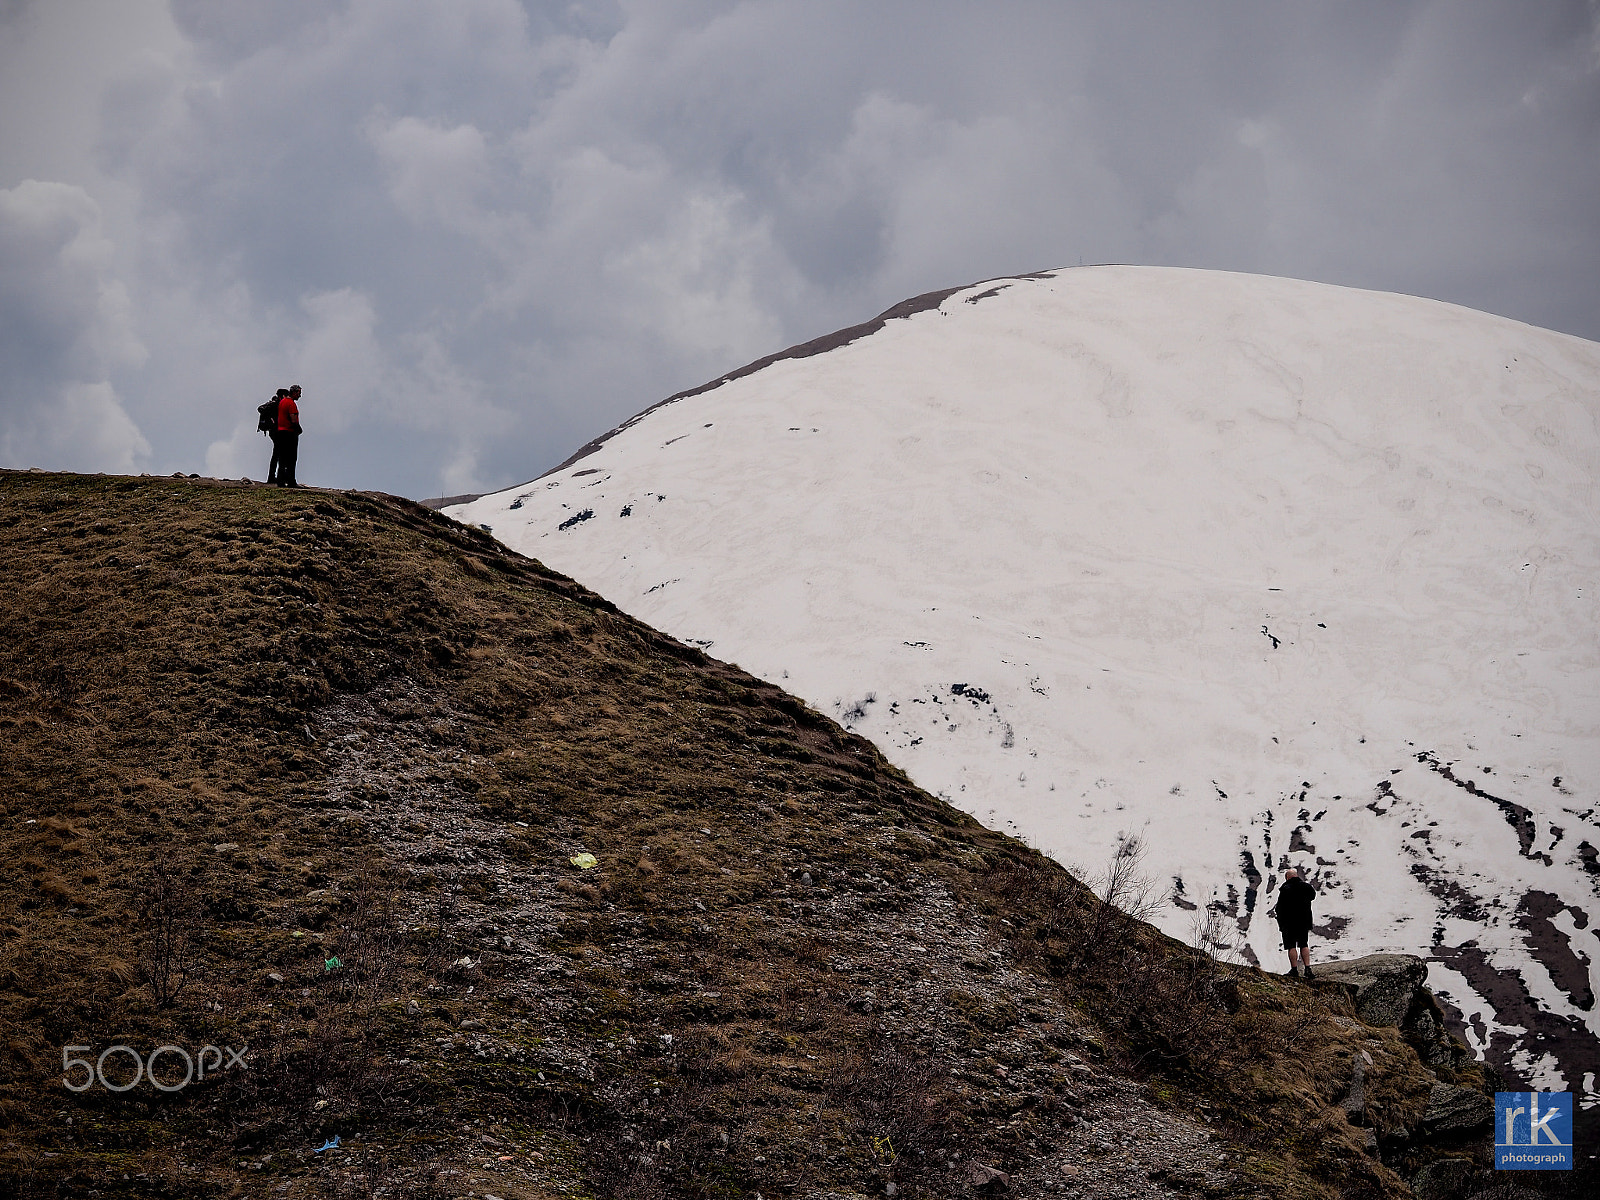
x: 272, y: 467
x: 1294, y: 919
x: 288, y: 439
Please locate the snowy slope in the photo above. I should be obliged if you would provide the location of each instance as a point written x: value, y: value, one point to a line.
x: 1265, y: 570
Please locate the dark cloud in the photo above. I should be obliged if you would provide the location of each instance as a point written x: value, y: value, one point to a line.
x: 65, y: 325
x: 480, y: 231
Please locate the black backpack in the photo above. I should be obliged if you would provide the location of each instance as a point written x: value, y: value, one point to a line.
x: 267, y: 416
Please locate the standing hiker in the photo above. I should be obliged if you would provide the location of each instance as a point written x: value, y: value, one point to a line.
x: 1294, y: 919
x: 288, y: 439
x: 269, y: 424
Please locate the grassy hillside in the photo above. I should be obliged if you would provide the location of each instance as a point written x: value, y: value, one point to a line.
x: 302, y: 776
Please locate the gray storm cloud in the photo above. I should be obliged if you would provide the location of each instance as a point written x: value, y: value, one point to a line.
x: 480, y: 231
x: 65, y: 325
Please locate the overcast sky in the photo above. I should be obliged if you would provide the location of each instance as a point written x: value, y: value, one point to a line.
x: 479, y: 232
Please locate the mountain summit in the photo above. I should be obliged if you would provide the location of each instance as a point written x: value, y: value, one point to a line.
x: 1261, y: 571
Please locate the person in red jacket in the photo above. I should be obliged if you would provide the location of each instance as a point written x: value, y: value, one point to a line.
x: 288, y: 438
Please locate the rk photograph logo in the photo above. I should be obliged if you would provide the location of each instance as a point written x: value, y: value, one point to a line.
x: 1533, y: 1131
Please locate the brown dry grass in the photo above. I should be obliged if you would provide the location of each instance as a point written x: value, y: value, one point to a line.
x: 168, y: 664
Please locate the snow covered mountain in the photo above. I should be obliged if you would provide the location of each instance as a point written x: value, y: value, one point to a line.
x: 1263, y: 571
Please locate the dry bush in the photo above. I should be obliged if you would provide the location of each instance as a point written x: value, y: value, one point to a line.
x: 369, y: 946
x: 1170, y: 1003
x: 707, y: 1057
x: 1089, y: 926
x: 1211, y: 933
x: 1174, y: 1009
x: 901, y: 1101
x: 172, y: 924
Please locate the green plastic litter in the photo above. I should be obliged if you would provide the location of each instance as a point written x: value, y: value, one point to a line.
x: 584, y: 861
x: 330, y: 964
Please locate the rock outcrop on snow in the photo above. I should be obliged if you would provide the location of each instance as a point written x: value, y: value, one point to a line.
x: 1387, y: 988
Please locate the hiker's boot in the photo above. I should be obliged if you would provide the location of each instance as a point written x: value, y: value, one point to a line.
x: 1309, y: 975
x: 1291, y: 973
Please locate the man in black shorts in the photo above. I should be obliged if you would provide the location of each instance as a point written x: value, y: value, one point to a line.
x: 1294, y: 919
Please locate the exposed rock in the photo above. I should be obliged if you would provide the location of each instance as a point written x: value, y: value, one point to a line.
x: 985, y: 1180
x: 1383, y: 986
x: 1388, y: 989
x: 1426, y: 1027
x: 1355, y: 1100
x: 1442, y: 1053
x: 1454, y: 1109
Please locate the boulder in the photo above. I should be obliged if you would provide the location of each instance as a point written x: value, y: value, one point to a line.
x: 1456, y: 1110
x: 1383, y: 986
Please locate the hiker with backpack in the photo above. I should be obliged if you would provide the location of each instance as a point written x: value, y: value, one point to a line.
x: 267, y: 423
x: 1294, y: 920
x: 280, y: 418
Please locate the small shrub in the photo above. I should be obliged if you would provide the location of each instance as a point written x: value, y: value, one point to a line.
x: 170, y: 917
x: 902, y: 1102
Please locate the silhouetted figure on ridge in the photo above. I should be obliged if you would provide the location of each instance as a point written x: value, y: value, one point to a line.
x: 1294, y: 920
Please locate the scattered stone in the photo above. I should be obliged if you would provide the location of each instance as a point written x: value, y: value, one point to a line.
x: 1355, y: 1100
x: 986, y: 1180
x: 471, y: 1023
x: 413, y: 1009
x: 221, y: 846
x: 273, y: 977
